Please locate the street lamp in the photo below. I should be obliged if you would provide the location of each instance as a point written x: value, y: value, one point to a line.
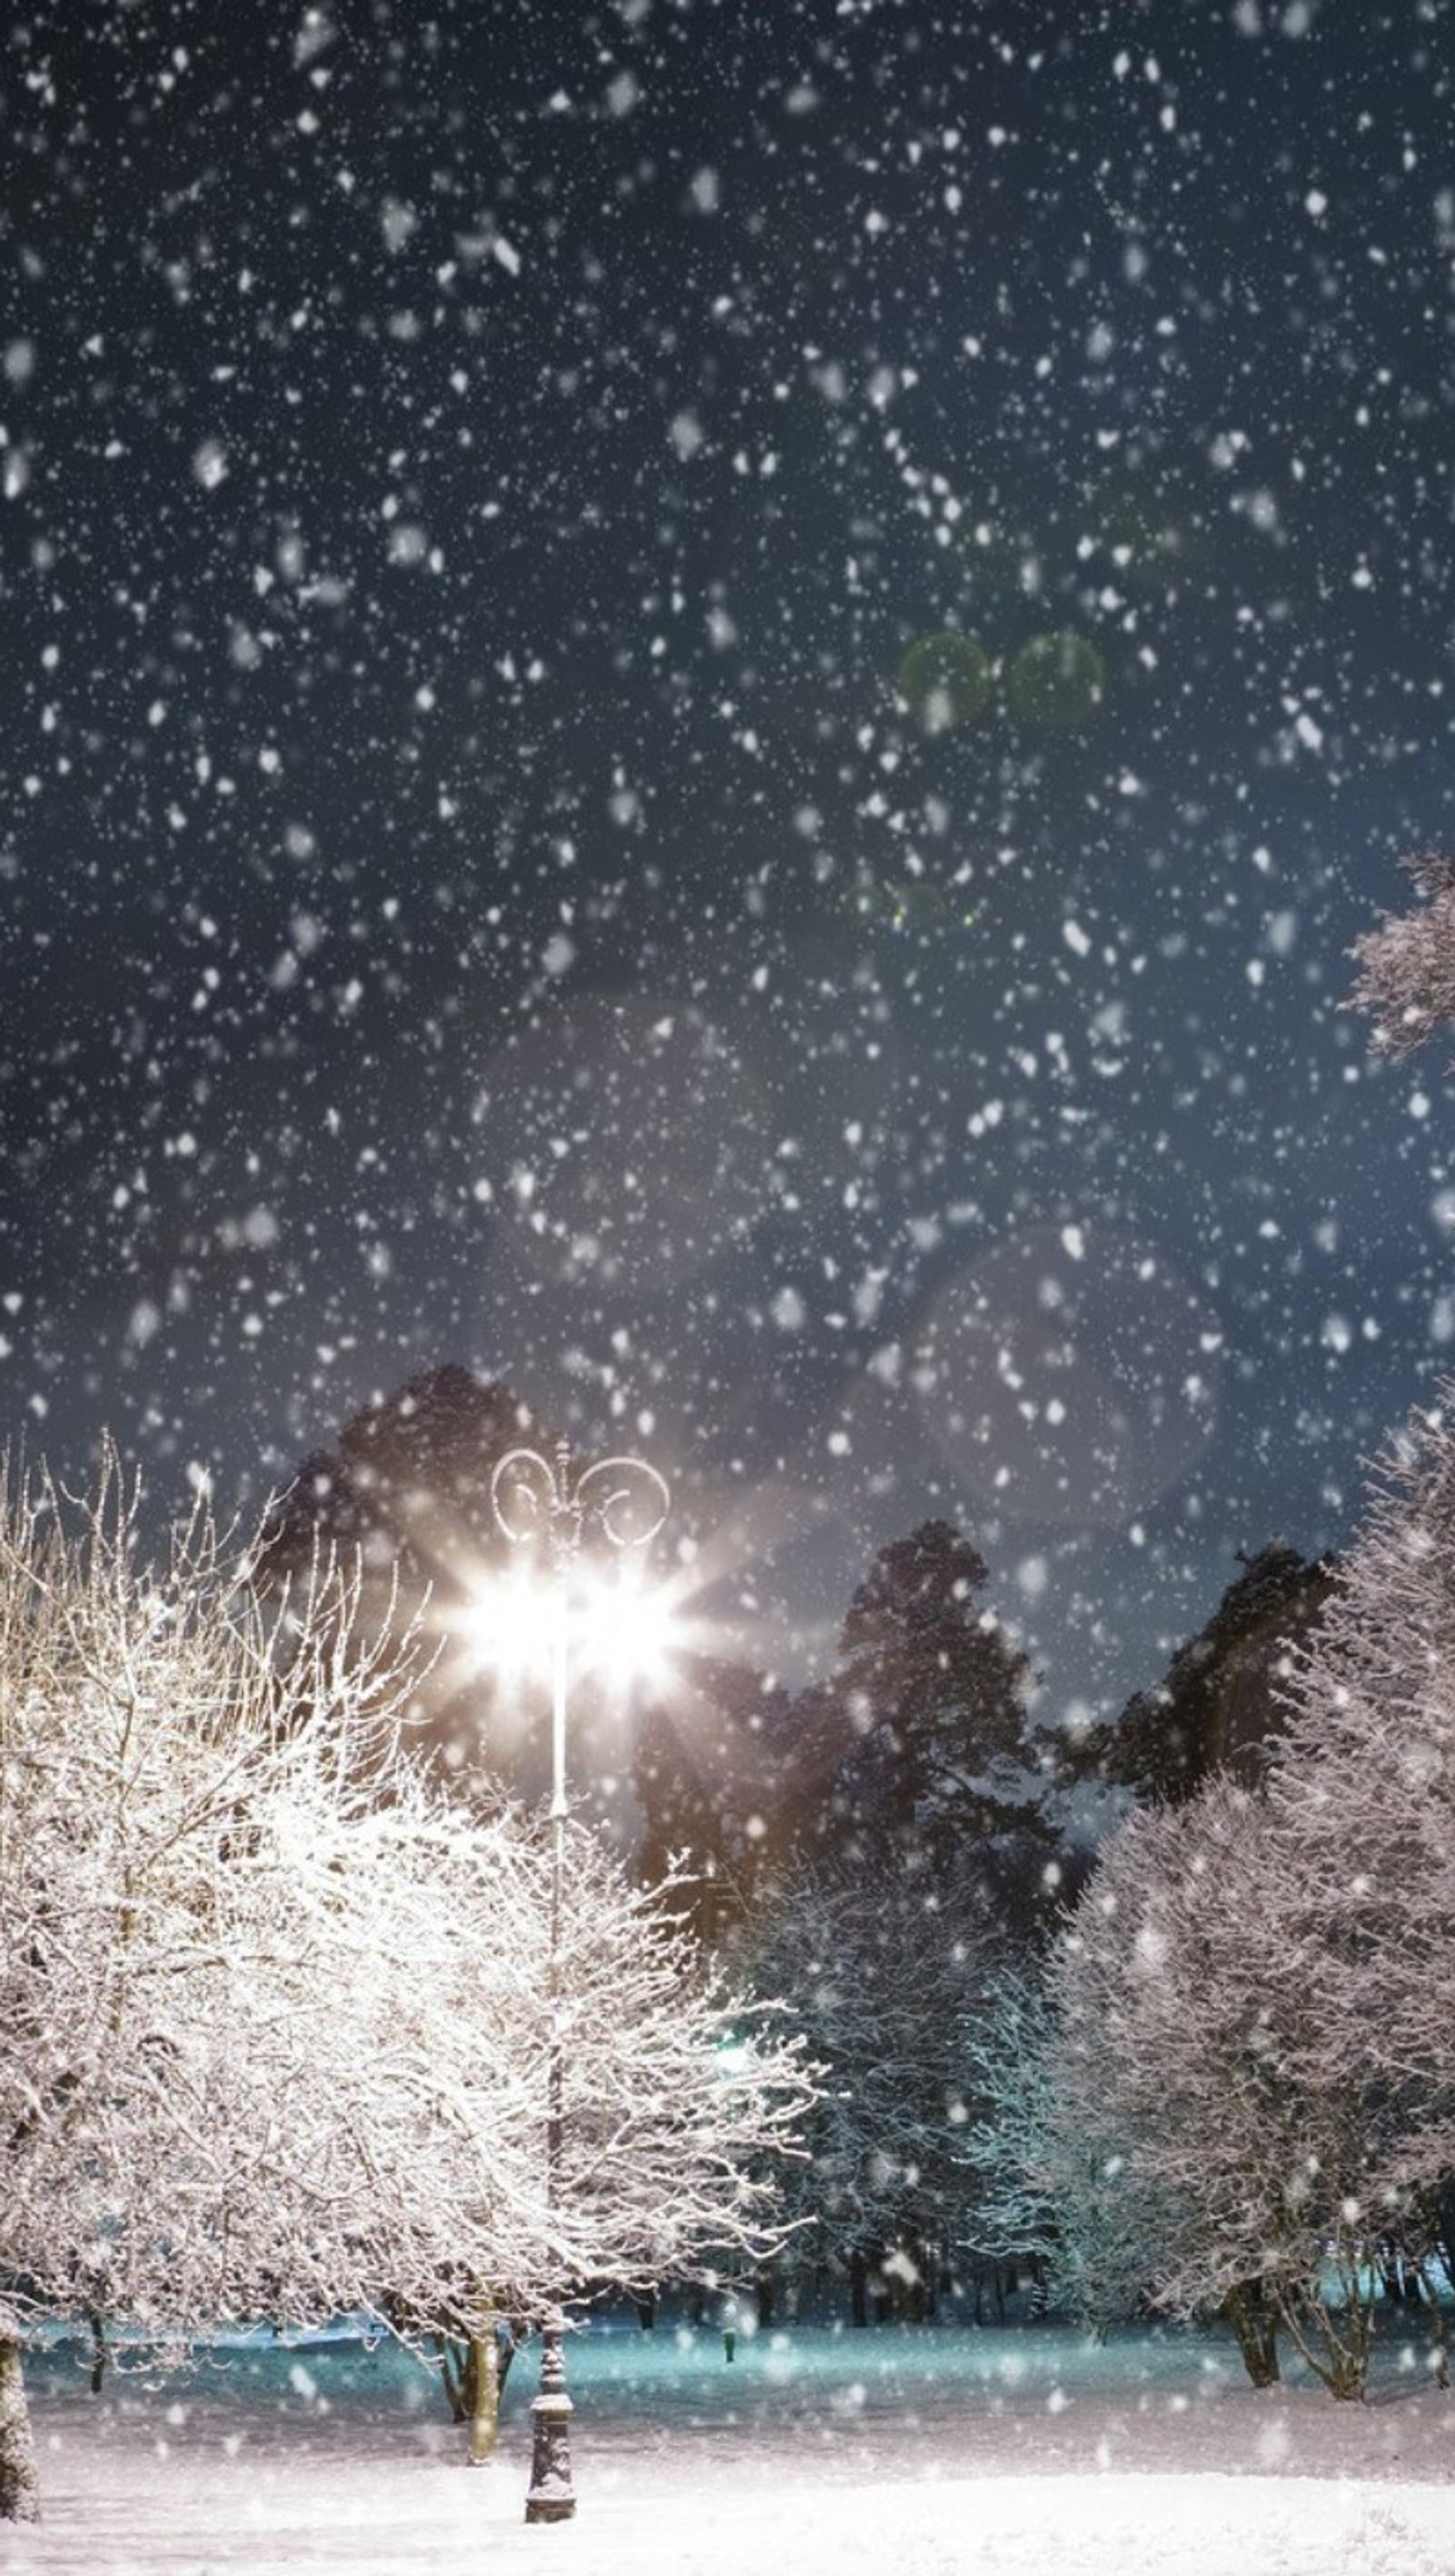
x: 626, y: 1501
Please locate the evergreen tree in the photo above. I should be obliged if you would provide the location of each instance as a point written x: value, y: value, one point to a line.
x: 708, y: 1772
x: 1218, y: 1709
x: 406, y: 1490
x: 915, y: 1752
x: 910, y: 1818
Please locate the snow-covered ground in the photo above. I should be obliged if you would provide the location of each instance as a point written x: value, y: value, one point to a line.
x: 917, y: 2453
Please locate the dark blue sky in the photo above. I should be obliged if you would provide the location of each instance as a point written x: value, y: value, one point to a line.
x: 482, y: 880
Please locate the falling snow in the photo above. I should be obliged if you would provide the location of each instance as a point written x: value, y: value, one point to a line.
x: 660, y: 665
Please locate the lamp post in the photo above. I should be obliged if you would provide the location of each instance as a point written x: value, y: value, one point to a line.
x: 626, y: 1500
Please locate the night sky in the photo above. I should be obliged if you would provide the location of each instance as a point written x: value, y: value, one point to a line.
x: 498, y: 862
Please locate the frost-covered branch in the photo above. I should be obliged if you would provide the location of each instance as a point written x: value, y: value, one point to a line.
x: 1406, y: 963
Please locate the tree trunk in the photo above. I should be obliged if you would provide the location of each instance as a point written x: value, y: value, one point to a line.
x: 19, y: 2481
x: 482, y: 2384
x: 1254, y: 2320
x: 858, y: 2289
x: 1333, y: 2334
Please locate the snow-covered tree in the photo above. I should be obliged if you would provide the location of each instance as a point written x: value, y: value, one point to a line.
x: 1206, y: 2148
x: 1059, y: 2129
x: 1006, y: 2067
x: 1218, y: 2118
x: 679, y: 2094
x: 1244, y: 2098
x: 1364, y: 1804
x: 1406, y: 963
x: 228, y: 2078
x: 278, y: 2032
x: 879, y: 1983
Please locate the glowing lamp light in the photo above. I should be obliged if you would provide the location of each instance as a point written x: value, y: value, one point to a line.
x: 621, y: 1630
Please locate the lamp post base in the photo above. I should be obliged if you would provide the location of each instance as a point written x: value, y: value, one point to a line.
x: 550, y: 2496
